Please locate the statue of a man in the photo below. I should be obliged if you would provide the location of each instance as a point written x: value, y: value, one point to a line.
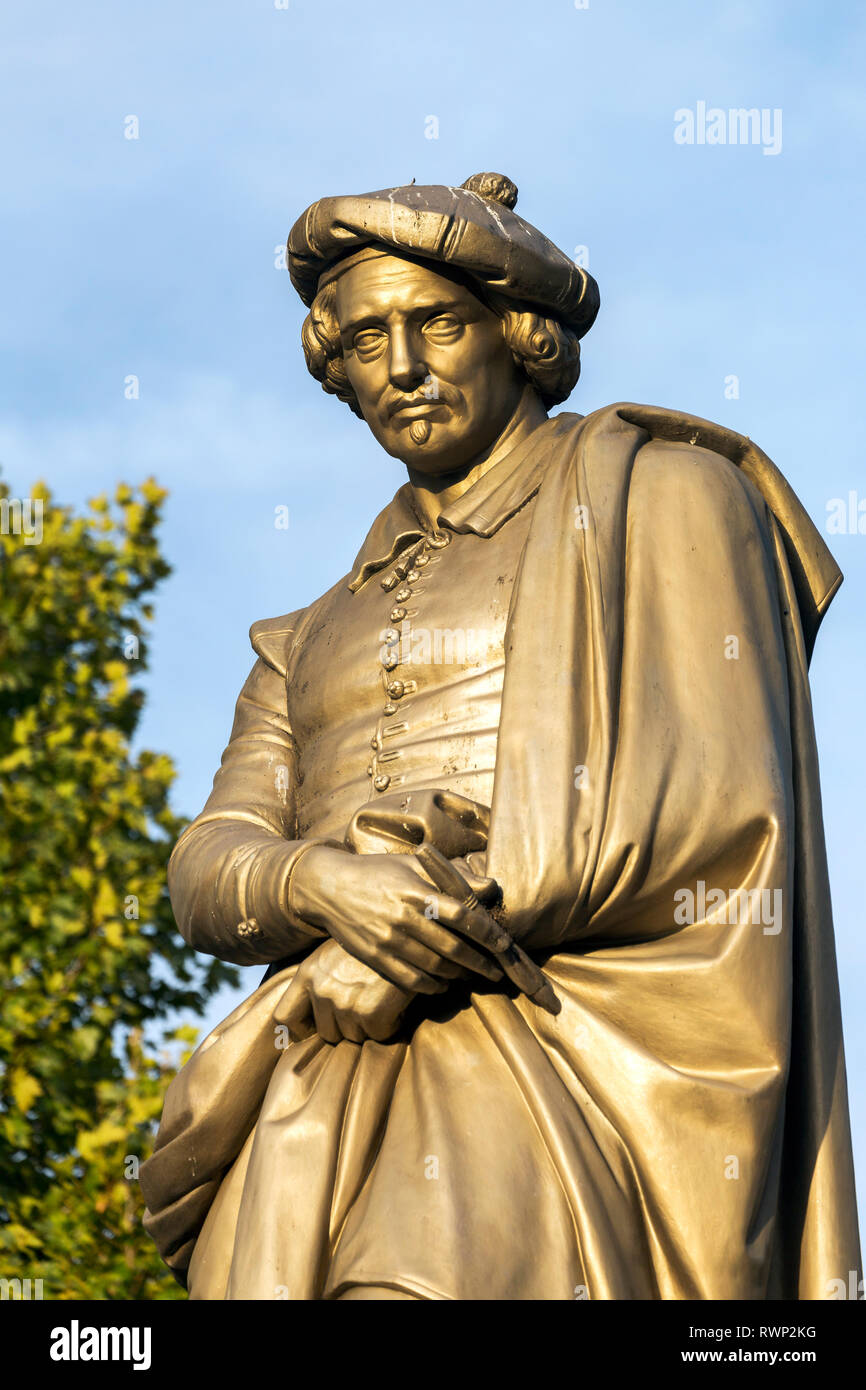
x: 555, y: 719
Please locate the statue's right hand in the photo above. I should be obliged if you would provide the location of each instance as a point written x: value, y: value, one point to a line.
x: 383, y: 910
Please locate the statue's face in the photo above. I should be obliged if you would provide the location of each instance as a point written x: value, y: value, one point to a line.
x: 428, y: 363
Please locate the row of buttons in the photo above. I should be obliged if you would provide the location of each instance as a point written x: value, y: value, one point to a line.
x: 406, y: 572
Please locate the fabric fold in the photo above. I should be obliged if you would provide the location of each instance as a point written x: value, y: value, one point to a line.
x: 680, y: 1130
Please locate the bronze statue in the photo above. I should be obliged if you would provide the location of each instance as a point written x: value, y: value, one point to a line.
x: 524, y: 817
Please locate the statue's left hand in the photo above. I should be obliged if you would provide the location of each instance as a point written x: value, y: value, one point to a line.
x: 337, y: 996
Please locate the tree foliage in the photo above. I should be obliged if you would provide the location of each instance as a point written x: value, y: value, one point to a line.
x: 90, y: 960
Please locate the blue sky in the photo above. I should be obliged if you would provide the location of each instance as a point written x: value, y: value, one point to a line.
x: 156, y: 257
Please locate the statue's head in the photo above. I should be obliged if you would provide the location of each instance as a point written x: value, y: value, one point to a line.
x: 434, y: 310
x: 434, y: 366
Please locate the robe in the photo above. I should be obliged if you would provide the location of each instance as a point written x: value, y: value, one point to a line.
x: 680, y: 1130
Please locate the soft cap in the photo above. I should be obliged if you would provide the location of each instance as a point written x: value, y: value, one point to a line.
x: 472, y: 228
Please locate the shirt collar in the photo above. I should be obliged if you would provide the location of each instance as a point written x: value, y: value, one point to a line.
x: 482, y: 509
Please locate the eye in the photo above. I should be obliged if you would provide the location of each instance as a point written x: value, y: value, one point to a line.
x: 367, y: 342
x: 443, y: 328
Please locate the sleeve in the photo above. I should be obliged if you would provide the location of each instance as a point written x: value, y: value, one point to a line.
x: 229, y: 874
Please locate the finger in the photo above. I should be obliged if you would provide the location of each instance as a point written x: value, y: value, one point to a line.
x: 408, y: 977
x: 438, y: 934
x: 288, y: 1000
x: 385, y: 957
x: 326, y: 1021
x: 296, y: 1012
x: 476, y: 863
x: 478, y: 925
x: 379, y: 1030
x: 441, y: 965
x: 293, y: 1003
x: 350, y: 1026
x: 475, y: 923
x: 486, y: 890
x: 443, y: 957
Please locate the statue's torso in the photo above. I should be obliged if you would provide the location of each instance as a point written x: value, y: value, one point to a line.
x: 441, y: 731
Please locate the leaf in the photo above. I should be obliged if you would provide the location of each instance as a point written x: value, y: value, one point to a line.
x: 24, y: 1088
x: 104, y: 1134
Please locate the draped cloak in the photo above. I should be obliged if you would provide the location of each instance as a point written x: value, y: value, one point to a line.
x: 680, y: 1130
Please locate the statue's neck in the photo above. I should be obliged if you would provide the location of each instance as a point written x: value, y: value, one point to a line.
x: 433, y: 494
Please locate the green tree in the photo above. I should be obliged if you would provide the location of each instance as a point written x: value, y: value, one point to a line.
x: 90, y: 958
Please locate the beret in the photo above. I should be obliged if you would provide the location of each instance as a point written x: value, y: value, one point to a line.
x: 472, y: 228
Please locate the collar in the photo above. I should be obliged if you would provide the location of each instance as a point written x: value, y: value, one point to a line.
x: 482, y: 509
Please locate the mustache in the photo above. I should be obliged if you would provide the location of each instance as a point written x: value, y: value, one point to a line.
x: 445, y: 395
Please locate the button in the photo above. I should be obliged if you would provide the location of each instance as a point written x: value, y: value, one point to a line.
x: 390, y: 636
x: 421, y: 561
x: 382, y: 782
x: 369, y: 772
x: 412, y: 576
x: 397, y: 615
x: 396, y: 689
x: 403, y: 594
x: 374, y: 743
x: 439, y: 540
x: 390, y: 660
x: 249, y: 931
x: 390, y: 708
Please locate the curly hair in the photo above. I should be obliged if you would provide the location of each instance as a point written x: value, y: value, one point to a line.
x: 545, y: 350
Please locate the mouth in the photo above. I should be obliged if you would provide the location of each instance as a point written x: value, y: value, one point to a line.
x: 413, y: 410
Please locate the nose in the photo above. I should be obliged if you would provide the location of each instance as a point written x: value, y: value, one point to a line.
x: 405, y: 368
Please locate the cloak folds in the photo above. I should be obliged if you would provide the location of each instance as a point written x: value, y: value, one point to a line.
x: 680, y: 1130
